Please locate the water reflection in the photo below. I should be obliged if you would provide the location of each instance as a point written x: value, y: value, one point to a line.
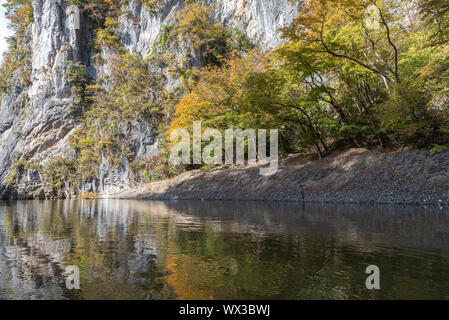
x: 220, y: 250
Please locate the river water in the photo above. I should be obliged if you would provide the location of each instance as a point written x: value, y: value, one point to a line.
x: 129, y: 249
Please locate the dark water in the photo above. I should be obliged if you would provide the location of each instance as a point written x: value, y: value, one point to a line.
x: 221, y: 250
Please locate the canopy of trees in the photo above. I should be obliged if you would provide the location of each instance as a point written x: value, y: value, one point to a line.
x: 350, y: 73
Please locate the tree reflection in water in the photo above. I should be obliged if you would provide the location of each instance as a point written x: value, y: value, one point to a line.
x: 129, y: 249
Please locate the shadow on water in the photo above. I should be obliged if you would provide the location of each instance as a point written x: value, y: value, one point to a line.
x: 130, y: 249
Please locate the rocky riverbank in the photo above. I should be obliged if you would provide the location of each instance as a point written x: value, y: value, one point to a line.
x: 353, y: 176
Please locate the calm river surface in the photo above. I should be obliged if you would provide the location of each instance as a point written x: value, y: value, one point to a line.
x: 129, y: 249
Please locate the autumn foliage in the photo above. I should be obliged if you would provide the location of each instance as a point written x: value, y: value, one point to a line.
x: 350, y: 73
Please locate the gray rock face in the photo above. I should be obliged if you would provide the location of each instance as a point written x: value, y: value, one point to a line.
x: 36, y: 121
x: 37, y: 131
x: 259, y: 19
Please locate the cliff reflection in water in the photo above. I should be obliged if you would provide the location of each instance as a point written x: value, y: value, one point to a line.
x: 130, y: 249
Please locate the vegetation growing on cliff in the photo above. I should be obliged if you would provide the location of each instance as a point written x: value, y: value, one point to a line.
x: 99, y: 10
x: 77, y: 75
x: 16, y: 59
x: 130, y: 100
x: 134, y: 93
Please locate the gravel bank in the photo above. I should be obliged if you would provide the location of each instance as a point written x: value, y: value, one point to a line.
x: 354, y: 176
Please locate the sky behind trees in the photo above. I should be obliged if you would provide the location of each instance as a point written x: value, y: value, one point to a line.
x: 4, y: 31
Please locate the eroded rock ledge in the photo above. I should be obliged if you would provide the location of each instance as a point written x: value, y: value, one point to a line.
x: 354, y: 176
